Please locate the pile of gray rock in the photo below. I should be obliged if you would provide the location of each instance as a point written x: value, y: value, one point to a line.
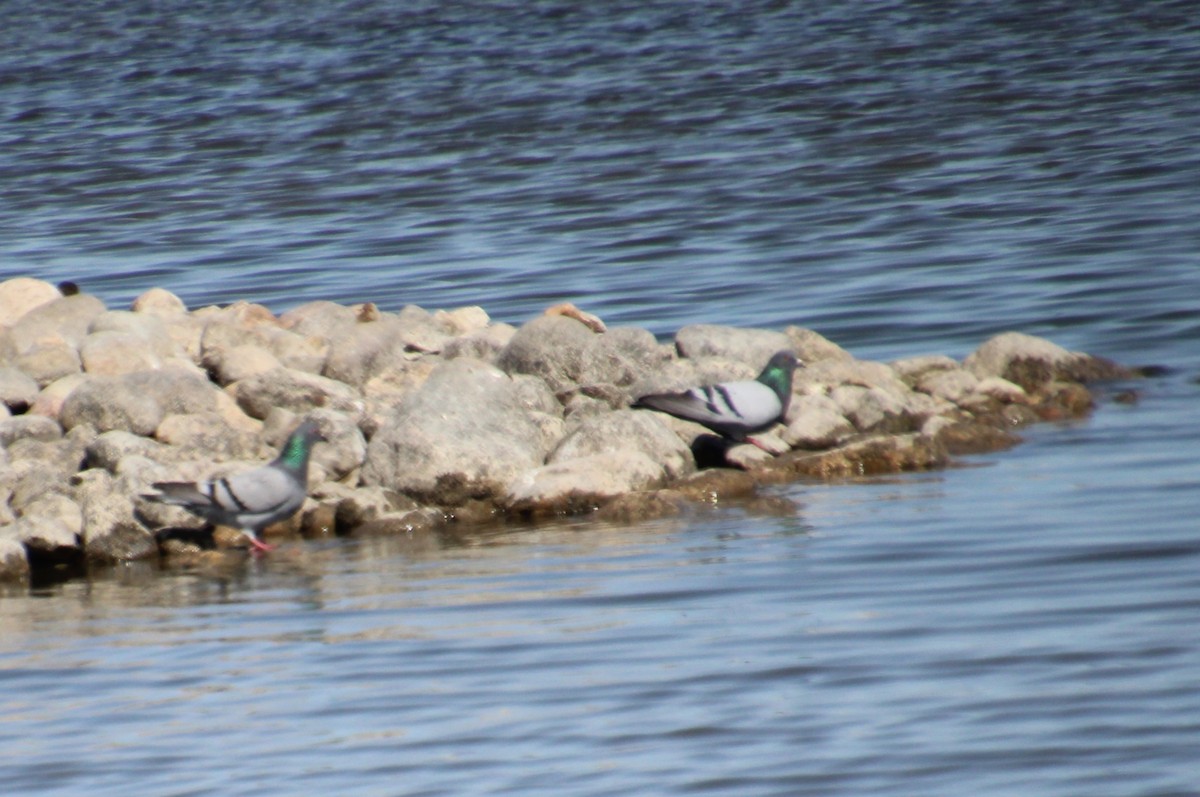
x: 446, y: 416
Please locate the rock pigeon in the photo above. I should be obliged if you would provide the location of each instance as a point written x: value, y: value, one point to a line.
x: 253, y: 499
x: 734, y: 410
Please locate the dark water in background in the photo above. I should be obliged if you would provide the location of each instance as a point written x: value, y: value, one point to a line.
x: 903, y: 177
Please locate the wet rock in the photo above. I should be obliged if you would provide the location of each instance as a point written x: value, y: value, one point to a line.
x: 581, y: 485
x: 463, y: 434
x: 716, y: 485
x: 20, y: 295
x: 627, y: 430
x: 1064, y: 401
x: 17, y: 389
x: 641, y: 506
x: 972, y: 437
x: 111, y: 532
x: 14, y: 564
x: 47, y: 540
x: 35, y: 427
x: 109, y: 402
x: 751, y: 346
x: 1032, y: 362
x: 293, y: 390
x: 868, y: 456
x: 1002, y: 390
x: 952, y: 385
x: 911, y: 369
x: 401, y: 524
x: 369, y: 504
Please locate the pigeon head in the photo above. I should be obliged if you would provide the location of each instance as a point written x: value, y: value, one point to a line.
x: 299, y: 445
x: 777, y: 375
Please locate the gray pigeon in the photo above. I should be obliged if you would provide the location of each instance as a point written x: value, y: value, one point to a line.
x: 253, y: 499
x: 734, y: 410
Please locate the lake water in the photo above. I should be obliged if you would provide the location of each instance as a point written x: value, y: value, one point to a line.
x: 905, y: 178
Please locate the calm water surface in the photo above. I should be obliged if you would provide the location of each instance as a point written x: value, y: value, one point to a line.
x: 901, y: 177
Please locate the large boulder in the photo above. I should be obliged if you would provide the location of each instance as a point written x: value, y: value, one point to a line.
x: 18, y: 390
x: 109, y: 402
x: 627, y: 430
x: 1032, y: 362
x: 295, y: 390
x: 20, y: 295
x: 159, y: 302
x: 752, y: 346
x: 111, y: 531
x: 583, y: 484
x: 48, y: 540
x: 566, y: 354
x: 22, y: 427
x: 463, y: 434
x: 242, y: 323
x: 67, y: 318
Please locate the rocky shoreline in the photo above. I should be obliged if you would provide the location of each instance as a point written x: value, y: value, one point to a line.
x: 434, y: 418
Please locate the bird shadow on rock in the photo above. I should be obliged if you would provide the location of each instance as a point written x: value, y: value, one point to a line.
x: 710, y: 451
x: 204, y: 538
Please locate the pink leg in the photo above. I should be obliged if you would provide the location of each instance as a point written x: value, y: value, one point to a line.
x: 259, y: 545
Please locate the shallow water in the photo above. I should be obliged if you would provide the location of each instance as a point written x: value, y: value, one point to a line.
x: 903, y: 179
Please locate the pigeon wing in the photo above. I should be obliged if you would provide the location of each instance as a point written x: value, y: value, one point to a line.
x: 729, y: 407
x: 261, y: 491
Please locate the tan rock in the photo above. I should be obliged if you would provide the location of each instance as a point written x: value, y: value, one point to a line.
x: 113, y: 353
x: 463, y: 320
x: 812, y: 347
x: 159, y: 302
x: 14, y: 563
x: 20, y: 295
x: 581, y: 485
x: 50, y: 400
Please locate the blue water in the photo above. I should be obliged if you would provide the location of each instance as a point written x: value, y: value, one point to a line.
x: 904, y: 178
